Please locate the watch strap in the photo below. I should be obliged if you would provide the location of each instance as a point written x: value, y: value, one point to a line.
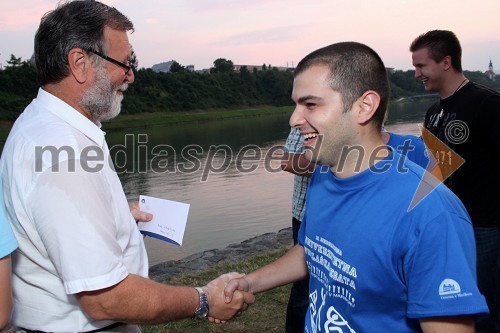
x: 202, y: 311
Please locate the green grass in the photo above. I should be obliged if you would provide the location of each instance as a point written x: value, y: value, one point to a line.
x: 169, y: 118
x: 267, y: 314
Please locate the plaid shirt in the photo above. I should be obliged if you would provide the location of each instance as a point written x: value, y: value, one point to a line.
x: 295, y: 145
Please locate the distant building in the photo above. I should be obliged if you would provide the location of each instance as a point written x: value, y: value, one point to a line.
x: 490, y: 73
x: 164, y: 67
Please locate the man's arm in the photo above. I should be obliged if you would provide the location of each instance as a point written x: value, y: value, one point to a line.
x: 142, y: 301
x: 297, y: 164
x: 289, y: 268
x: 5, y: 291
x: 458, y: 324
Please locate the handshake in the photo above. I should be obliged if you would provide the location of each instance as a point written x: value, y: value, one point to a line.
x: 228, y: 296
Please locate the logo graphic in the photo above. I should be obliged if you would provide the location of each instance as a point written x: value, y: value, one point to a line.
x: 336, y: 323
x: 449, y: 287
x: 457, y: 132
x: 443, y: 161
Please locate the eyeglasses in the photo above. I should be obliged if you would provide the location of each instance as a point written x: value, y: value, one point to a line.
x: 132, y: 60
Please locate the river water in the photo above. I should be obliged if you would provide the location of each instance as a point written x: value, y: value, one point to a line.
x: 227, y: 170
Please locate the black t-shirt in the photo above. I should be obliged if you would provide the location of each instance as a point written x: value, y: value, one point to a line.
x: 468, y: 122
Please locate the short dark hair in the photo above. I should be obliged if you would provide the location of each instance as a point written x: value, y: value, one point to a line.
x: 440, y: 43
x: 75, y: 24
x: 354, y: 69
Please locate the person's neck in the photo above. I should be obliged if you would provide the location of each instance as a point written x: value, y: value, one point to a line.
x: 69, y: 96
x: 362, y: 156
x: 452, y: 85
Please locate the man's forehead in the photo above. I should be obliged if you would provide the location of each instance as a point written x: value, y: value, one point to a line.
x: 313, y: 75
x: 421, y: 53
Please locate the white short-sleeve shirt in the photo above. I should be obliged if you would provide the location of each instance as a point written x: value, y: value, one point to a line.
x: 69, y: 213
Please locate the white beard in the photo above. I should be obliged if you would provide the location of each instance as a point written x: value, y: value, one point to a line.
x: 102, y: 100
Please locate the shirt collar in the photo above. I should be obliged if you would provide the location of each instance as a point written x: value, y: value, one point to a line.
x: 70, y: 115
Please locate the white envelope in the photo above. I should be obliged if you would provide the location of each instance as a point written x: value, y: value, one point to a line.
x: 169, y: 219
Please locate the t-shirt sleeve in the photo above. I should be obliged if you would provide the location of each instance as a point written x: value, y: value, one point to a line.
x: 73, y: 209
x: 8, y: 242
x: 420, y: 155
x: 440, y: 270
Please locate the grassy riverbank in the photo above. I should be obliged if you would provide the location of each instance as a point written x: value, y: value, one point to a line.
x: 124, y: 121
x: 171, y: 118
x: 266, y: 315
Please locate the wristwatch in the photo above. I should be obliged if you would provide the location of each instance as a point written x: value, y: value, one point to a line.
x: 202, y: 311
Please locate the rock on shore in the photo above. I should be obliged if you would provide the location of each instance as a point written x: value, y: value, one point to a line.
x: 199, y: 262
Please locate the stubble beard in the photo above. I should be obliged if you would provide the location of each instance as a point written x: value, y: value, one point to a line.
x: 337, y: 146
x: 102, y: 100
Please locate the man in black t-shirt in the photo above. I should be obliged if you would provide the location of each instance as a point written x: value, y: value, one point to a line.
x: 466, y: 120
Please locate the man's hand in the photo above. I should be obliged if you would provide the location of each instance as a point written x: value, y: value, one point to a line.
x: 238, y: 283
x: 298, y: 164
x: 220, y: 309
x: 139, y: 215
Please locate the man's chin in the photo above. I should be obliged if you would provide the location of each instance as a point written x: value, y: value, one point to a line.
x: 428, y: 88
x: 114, y: 111
x: 109, y: 116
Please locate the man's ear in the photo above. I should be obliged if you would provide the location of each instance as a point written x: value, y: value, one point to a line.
x: 446, y: 63
x: 79, y: 64
x: 368, y: 105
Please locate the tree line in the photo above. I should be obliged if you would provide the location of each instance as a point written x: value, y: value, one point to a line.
x: 182, y: 90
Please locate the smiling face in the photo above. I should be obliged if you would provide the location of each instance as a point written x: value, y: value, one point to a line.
x: 429, y: 71
x: 102, y: 100
x: 319, y: 115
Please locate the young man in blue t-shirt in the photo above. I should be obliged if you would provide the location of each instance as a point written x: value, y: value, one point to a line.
x: 294, y: 162
x: 381, y: 256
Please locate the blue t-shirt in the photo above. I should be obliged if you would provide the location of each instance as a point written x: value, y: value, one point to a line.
x: 411, y: 146
x: 8, y: 242
x: 377, y: 266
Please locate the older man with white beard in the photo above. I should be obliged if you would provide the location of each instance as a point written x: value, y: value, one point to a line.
x: 81, y: 264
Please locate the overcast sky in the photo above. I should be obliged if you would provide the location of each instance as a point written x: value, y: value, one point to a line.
x: 276, y: 32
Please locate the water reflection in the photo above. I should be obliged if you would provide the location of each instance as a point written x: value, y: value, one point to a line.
x: 408, y: 112
x: 227, y: 205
